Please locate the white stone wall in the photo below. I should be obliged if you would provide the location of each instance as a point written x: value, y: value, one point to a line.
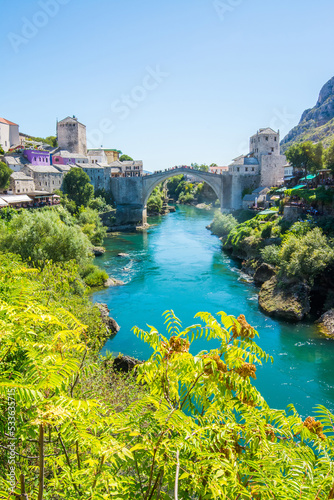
x: 96, y: 175
x: 244, y: 169
x: 45, y: 181
x: 19, y: 186
x: 97, y: 156
x: 272, y: 170
x: 9, y: 136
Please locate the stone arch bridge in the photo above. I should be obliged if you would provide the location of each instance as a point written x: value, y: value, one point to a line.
x: 131, y: 193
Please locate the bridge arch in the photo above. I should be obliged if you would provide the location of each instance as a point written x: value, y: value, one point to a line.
x: 152, y: 181
x: 131, y: 193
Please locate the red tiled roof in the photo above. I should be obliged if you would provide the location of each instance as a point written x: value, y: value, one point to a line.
x: 2, y: 120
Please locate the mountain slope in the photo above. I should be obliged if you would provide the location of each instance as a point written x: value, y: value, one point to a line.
x: 316, y: 124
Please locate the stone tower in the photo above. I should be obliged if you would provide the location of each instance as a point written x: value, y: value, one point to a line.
x: 265, y: 142
x: 71, y: 135
x: 265, y: 147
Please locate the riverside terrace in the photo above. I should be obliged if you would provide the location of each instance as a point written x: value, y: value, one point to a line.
x: 37, y: 199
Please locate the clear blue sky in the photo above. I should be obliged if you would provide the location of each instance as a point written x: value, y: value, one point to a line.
x: 221, y: 70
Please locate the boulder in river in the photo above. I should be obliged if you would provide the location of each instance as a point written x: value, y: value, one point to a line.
x: 326, y: 323
x: 291, y: 302
x: 111, y: 324
x: 98, y: 251
x: 112, y: 282
x: 123, y: 255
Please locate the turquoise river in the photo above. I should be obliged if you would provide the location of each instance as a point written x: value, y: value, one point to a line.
x: 178, y: 264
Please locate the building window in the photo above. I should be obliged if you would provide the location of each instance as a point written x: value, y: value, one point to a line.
x: 253, y: 169
x: 272, y: 149
x: 238, y: 169
x: 267, y: 138
x: 275, y: 139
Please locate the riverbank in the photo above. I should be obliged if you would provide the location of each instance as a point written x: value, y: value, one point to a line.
x: 292, y: 262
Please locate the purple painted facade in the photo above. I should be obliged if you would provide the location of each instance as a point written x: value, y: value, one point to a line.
x: 36, y: 157
x: 59, y: 160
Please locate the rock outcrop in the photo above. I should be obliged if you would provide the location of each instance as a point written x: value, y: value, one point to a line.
x: 98, y: 251
x: 111, y: 324
x: 326, y: 323
x: 263, y: 273
x: 125, y: 363
x: 316, y: 124
x: 291, y: 302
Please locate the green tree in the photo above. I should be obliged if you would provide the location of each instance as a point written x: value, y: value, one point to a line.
x: 2, y: 152
x: 91, y: 225
x: 306, y: 156
x: 77, y: 186
x: 125, y: 158
x: 329, y: 157
x: 203, y: 167
x: 5, y: 173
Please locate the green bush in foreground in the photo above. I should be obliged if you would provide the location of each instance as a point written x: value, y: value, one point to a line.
x: 201, y: 431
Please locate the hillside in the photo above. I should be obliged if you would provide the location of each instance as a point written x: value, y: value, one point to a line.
x: 317, y: 123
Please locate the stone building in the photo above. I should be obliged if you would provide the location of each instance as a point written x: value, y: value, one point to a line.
x: 20, y: 183
x: 66, y: 158
x: 129, y: 168
x: 264, y: 158
x: 97, y: 155
x: 9, y: 134
x: 265, y: 145
x: 37, y: 157
x: 112, y: 155
x: 71, y: 135
x: 15, y: 162
x: 46, y: 178
x: 99, y: 175
x: 102, y: 155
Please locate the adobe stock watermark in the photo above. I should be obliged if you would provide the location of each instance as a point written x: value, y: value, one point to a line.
x: 30, y: 27
x: 224, y: 7
x: 122, y: 108
x: 11, y: 427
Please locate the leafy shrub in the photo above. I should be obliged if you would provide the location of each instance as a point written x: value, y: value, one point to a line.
x: 223, y: 223
x: 41, y: 235
x: 306, y: 256
x: 91, y: 225
x: 185, y: 198
x: 96, y: 277
x: 270, y: 254
x: 154, y: 204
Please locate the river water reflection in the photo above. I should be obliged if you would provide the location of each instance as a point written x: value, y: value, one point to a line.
x: 177, y: 264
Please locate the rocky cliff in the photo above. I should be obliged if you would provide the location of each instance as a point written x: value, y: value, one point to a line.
x: 316, y: 124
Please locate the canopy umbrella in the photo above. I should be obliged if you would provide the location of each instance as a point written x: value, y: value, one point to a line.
x: 308, y: 177
x: 300, y: 186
